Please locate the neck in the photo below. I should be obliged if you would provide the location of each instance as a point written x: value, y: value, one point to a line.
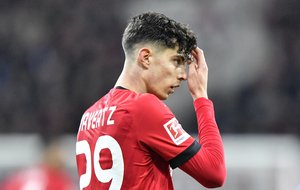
x: 131, y: 79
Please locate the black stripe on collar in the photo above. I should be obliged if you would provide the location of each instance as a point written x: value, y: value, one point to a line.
x: 121, y: 87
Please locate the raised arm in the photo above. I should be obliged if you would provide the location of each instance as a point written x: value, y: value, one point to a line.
x: 208, y: 165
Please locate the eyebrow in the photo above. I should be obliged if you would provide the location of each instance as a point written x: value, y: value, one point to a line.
x: 181, y: 56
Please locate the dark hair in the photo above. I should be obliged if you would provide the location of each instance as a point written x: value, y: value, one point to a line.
x: 158, y: 28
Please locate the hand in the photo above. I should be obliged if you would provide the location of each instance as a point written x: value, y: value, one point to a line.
x: 198, y: 75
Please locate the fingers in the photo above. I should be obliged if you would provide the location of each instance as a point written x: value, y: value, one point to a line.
x: 198, y: 74
x: 198, y: 59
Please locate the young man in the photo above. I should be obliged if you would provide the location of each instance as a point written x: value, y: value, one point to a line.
x: 129, y: 138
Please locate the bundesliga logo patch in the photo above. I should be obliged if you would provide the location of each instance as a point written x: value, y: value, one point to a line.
x: 175, y: 131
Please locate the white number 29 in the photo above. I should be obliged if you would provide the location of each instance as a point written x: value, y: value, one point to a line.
x: 115, y: 173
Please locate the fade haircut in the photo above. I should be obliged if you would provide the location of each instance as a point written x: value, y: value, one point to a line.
x: 158, y: 29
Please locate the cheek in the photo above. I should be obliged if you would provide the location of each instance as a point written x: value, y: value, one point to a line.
x: 162, y: 72
x: 162, y: 78
x: 157, y: 75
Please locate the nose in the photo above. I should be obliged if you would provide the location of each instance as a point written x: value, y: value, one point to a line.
x: 182, y: 74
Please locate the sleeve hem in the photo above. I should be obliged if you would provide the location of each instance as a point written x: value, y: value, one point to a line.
x: 185, y: 155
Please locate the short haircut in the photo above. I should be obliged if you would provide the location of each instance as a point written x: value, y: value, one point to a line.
x: 158, y: 29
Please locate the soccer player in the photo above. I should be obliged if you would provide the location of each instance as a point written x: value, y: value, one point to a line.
x: 129, y: 139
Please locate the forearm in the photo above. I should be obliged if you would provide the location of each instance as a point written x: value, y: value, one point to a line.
x: 208, y: 165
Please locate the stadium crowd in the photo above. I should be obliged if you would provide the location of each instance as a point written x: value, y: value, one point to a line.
x: 57, y: 57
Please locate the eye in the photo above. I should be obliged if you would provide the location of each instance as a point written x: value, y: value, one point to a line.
x: 178, y: 62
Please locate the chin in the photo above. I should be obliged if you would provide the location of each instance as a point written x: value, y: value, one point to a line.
x: 163, y: 97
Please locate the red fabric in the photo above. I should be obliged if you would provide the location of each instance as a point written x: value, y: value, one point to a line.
x: 138, y: 127
x: 208, y: 165
x: 39, y: 178
x: 135, y: 135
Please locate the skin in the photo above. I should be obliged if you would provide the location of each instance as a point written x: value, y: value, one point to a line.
x: 156, y: 70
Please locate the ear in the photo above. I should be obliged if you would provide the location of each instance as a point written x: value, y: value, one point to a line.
x: 143, y: 57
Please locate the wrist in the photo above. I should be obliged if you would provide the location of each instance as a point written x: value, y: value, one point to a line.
x: 202, y: 102
x: 199, y: 95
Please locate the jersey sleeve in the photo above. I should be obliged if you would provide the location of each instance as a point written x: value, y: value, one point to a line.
x: 158, y: 129
x: 208, y: 165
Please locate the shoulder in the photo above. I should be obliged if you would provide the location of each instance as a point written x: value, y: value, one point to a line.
x: 151, y: 109
x: 147, y: 97
x: 150, y: 102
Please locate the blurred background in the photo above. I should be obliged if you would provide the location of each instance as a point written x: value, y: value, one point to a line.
x: 57, y: 57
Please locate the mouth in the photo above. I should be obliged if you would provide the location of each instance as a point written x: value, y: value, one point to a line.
x: 173, y: 88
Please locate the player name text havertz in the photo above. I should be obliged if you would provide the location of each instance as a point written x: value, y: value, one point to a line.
x: 98, y: 118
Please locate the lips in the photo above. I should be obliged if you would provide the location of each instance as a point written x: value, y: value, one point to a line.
x: 173, y: 88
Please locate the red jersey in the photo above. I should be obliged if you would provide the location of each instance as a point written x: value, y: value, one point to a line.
x: 129, y: 141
